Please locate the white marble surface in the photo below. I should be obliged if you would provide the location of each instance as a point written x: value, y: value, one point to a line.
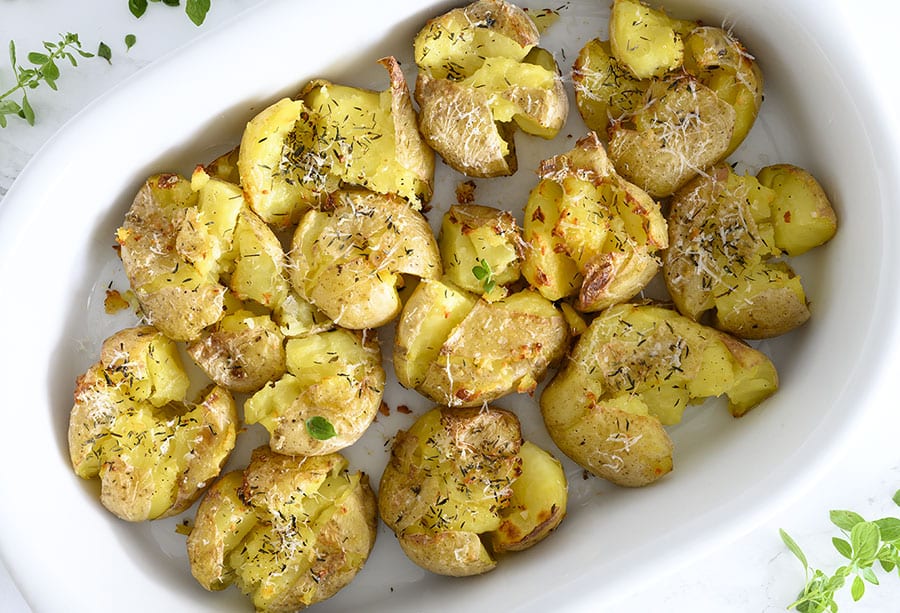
x: 753, y: 573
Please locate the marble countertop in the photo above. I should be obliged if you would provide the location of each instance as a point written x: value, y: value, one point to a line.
x: 753, y: 573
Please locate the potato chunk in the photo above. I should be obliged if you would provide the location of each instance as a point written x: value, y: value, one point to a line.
x: 462, y: 352
x: 647, y: 41
x: 635, y: 369
x: 589, y: 232
x: 481, y: 249
x: 288, y: 532
x: 348, y: 259
x: 131, y: 427
x: 726, y: 233
x: 241, y: 352
x: 460, y: 479
x: 295, y: 152
x: 480, y: 72
x: 327, y: 399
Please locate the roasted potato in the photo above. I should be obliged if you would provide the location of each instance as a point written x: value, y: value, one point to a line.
x: 348, y: 259
x: 169, y: 249
x: 646, y: 41
x: 588, y: 232
x: 726, y: 232
x: 328, y: 397
x: 461, y: 483
x: 681, y: 128
x: 295, y: 152
x: 241, y: 352
x: 635, y: 369
x: 289, y: 532
x: 481, y: 249
x: 480, y: 72
x: 662, y: 89
x: 184, y: 243
x: 461, y: 351
x: 130, y: 426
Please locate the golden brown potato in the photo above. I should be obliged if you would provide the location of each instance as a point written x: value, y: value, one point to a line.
x: 681, y: 128
x: 481, y: 249
x: 675, y: 96
x: 726, y: 231
x: 131, y: 427
x: 348, y: 259
x: 589, y: 232
x: 460, y: 481
x: 241, y: 352
x: 460, y: 351
x: 169, y: 251
x: 295, y: 152
x: 605, y: 90
x: 288, y: 532
x: 635, y: 369
x: 327, y: 399
x: 801, y: 213
x: 480, y: 72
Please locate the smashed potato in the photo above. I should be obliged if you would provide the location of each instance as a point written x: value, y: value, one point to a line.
x: 295, y: 152
x: 461, y: 483
x: 130, y: 426
x: 348, y: 259
x: 185, y: 243
x: 328, y: 397
x: 481, y: 73
x: 441, y: 348
x: 588, y: 232
x: 636, y: 369
x: 481, y: 249
x: 726, y: 233
x: 674, y: 96
x: 288, y: 532
x: 241, y: 352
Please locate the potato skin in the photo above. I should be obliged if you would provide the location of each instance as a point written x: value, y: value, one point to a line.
x: 588, y: 232
x: 726, y: 233
x: 442, y: 350
x: 636, y: 368
x: 289, y: 532
x: 130, y: 426
x: 348, y: 259
x: 175, y: 296
x: 451, y: 485
x: 481, y: 74
x: 336, y: 376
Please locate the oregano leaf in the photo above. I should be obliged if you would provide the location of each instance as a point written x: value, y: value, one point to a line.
x: 137, y: 7
x: 794, y: 548
x: 320, y: 428
x: 130, y: 40
x: 845, y: 520
x: 843, y: 547
x: 196, y: 10
x: 864, y: 538
x: 105, y: 52
x: 858, y: 588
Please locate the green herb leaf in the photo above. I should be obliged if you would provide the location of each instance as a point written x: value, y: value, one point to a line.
x: 38, y: 58
x: 484, y: 274
x: 857, y: 589
x: 130, y: 40
x: 27, y: 113
x: 137, y: 7
x: 845, y: 520
x: 864, y: 538
x: 105, y: 52
x: 889, y: 527
x: 794, y: 548
x: 320, y: 428
x: 896, y: 498
x: 869, y: 575
x: 170, y: 2
x: 197, y: 10
x: 843, y: 547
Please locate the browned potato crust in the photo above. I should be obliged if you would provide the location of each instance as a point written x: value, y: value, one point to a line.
x: 289, y: 532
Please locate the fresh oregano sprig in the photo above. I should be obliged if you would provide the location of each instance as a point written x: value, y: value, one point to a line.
x: 864, y: 544
x: 484, y: 274
x: 44, y: 69
x: 196, y: 9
